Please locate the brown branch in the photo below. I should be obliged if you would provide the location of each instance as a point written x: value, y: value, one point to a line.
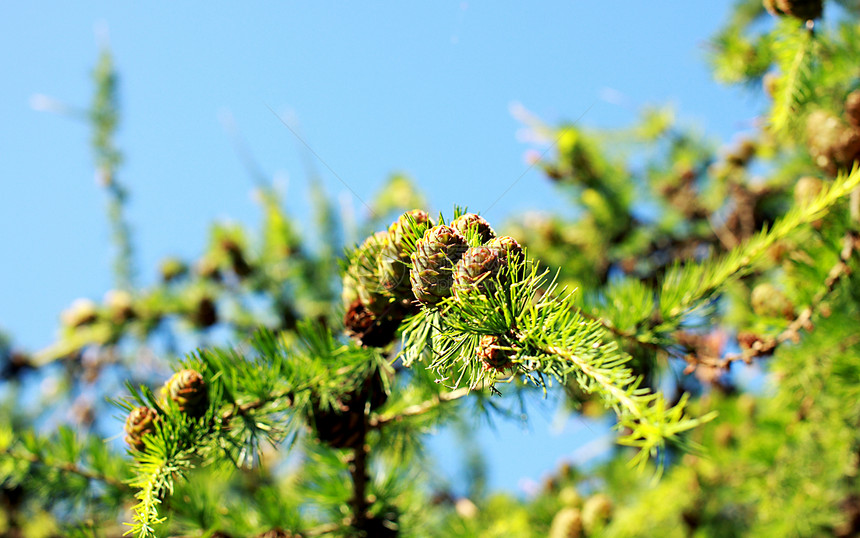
x: 358, y: 471
x: 757, y: 347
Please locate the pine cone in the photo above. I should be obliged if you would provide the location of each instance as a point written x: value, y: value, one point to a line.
x: 567, y: 523
x: 596, y: 512
x: 372, y: 330
x: 832, y: 143
x: 771, y: 7
x: 471, y: 225
x: 204, y: 313
x: 172, y: 269
x: 188, y: 390
x: 207, y: 268
x: 801, y: 9
x: 120, y: 306
x: 433, y: 263
x: 806, y: 190
x: 344, y: 424
x: 394, y: 258
x: 491, y: 354
x: 852, y: 108
x: 767, y: 300
x: 238, y: 262
x: 140, y: 422
x: 366, y: 275
x: 479, y: 269
x: 508, y: 247
x: 81, y: 312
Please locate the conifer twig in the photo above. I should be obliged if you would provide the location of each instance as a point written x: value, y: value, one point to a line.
x: 420, y: 408
x: 67, y: 467
x: 803, y: 320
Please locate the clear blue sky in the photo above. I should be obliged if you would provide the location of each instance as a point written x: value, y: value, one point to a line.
x: 373, y: 88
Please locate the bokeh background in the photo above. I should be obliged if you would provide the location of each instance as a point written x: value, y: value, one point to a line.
x: 212, y: 95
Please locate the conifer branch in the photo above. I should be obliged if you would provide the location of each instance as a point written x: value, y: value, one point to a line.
x: 803, y: 321
x: 793, y: 47
x: 65, y: 467
x: 420, y: 408
x: 687, y: 286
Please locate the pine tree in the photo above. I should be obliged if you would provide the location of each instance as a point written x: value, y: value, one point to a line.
x: 310, y: 418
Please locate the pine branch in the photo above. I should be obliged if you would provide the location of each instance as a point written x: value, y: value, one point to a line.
x: 421, y: 408
x: 686, y: 287
x: 803, y: 321
x: 65, y: 467
x: 794, y: 47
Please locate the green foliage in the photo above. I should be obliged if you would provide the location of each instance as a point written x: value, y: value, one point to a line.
x: 680, y: 264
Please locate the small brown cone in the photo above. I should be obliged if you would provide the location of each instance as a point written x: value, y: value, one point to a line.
x: 471, y: 226
x: 800, y: 9
x: 140, y: 422
x: 369, y: 329
x: 492, y: 354
x: 187, y: 389
x: 433, y: 263
x: 567, y: 523
x: 394, y: 259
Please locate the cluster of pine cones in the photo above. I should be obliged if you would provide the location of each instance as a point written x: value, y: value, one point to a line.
x: 186, y: 390
x: 416, y: 263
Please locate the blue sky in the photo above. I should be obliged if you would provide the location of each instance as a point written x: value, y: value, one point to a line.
x: 372, y: 87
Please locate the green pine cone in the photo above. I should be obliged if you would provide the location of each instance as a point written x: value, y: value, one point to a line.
x: 394, y: 258
x: 471, y: 225
x: 366, y: 274
x: 479, y: 269
x: 188, y: 390
x: 510, y: 252
x: 140, y: 422
x: 433, y: 262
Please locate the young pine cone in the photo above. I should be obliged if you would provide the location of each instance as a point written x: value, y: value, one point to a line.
x: 508, y: 247
x: 394, y: 258
x: 596, y: 512
x: 140, y: 422
x: 81, y: 312
x: 852, y: 108
x: 372, y: 330
x: 366, y: 276
x: 767, y: 300
x: 344, y: 424
x: 480, y: 269
x: 491, y: 354
x: 471, y: 225
x: 801, y: 9
x: 433, y: 263
x: 567, y: 523
x: 188, y: 390
x: 832, y: 143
